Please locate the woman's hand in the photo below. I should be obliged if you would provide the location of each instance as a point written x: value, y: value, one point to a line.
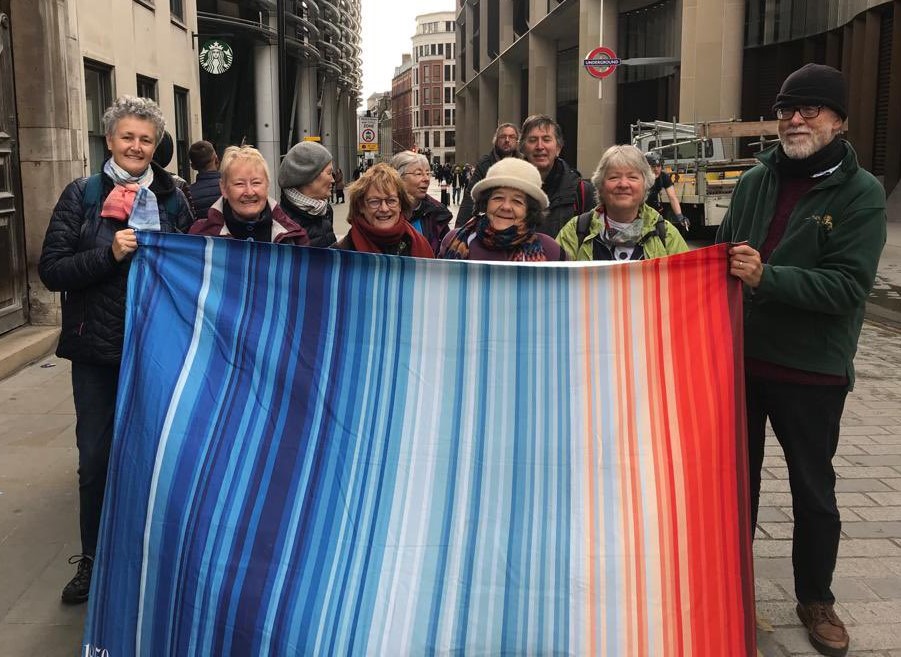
x: 745, y: 264
x: 124, y: 243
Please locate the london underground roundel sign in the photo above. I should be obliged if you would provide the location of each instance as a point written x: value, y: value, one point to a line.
x: 601, y: 62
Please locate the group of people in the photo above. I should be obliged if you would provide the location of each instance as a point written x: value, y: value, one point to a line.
x: 806, y: 227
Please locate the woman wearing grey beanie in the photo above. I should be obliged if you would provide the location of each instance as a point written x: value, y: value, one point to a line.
x: 306, y: 178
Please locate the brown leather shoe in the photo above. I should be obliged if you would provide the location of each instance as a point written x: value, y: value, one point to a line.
x: 826, y: 631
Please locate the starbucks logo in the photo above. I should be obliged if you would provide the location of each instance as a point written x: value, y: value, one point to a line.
x: 216, y: 57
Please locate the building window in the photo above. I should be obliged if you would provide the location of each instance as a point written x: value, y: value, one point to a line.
x: 450, y: 138
x: 147, y: 88
x: 436, y: 117
x: 416, y: 97
x: 447, y: 95
x: 182, y: 132
x: 441, y: 49
x: 436, y: 95
x: 99, y: 95
x: 436, y: 138
x: 447, y: 117
x: 427, y: 95
x: 447, y: 73
x: 436, y: 71
x: 177, y: 10
x: 425, y: 137
x: 432, y: 49
x: 426, y: 71
x: 415, y: 76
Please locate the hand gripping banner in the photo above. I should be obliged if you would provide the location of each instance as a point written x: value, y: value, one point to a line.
x: 330, y: 453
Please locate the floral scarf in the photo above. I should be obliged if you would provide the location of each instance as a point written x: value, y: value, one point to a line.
x: 522, y: 244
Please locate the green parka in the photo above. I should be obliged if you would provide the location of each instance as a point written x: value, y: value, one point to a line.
x: 653, y: 248
x: 808, y: 309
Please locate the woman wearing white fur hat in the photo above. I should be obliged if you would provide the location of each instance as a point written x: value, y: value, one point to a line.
x: 509, y: 205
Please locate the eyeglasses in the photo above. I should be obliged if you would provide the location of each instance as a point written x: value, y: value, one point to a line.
x: 417, y: 174
x: 375, y: 203
x: 806, y: 112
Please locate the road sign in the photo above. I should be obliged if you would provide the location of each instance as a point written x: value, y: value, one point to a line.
x: 368, y: 132
x: 601, y: 62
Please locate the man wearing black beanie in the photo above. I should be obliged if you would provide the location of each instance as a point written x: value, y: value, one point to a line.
x: 814, y: 226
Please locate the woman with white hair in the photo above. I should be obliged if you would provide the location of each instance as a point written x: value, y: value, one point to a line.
x: 428, y: 216
x: 622, y: 226
x: 509, y: 207
x: 87, y: 255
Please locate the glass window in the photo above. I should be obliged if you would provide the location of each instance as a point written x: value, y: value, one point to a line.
x: 425, y: 137
x: 436, y: 117
x: 426, y: 74
x: 450, y: 138
x: 447, y: 73
x: 441, y: 49
x: 447, y: 95
x: 427, y: 95
x: 182, y: 132
x: 177, y: 10
x: 447, y: 117
x: 147, y: 88
x: 436, y: 71
x: 98, y: 96
x: 436, y: 138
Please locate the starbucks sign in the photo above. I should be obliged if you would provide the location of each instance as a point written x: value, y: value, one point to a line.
x: 216, y: 56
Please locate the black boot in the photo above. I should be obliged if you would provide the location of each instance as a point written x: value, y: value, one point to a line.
x: 77, y: 589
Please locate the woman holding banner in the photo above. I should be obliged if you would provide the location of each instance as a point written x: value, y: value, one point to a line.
x: 379, y: 206
x: 86, y: 255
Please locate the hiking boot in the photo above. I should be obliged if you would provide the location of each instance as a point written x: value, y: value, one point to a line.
x: 826, y: 631
x: 77, y: 589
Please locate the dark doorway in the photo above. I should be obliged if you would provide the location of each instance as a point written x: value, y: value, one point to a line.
x: 13, y: 301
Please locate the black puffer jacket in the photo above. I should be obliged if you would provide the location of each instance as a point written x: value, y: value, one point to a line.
x: 433, y: 218
x: 204, y: 192
x: 568, y: 194
x: 319, y: 228
x: 77, y: 260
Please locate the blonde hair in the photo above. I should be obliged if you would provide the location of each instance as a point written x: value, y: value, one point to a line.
x: 384, y: 177
x: 248, y: 154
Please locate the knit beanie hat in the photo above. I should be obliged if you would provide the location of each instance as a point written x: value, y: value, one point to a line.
x: 302, y: 164
x: 815, y: 84
x: 515, y: 173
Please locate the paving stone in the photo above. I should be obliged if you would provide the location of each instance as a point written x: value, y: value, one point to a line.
x: 847, y: 500
x: 775, y: 568
x: 894, y: 484
x: 861, y: 566
x: 768, y: 589
x: 867, y: 459
x: 861, y: 431
x: 782, y: 486
x: 777, y: 530
x: 865, y: 472
x: 887, y: 588
x: 890, y: 437
x: 771, y: 514
x: 866, y: 529
x: 875, y: 637
x: 886, y: 499
x: 867, y: 547
x: 852, y: 589
x: 873, y: 613
x: 860, y: 485
x: 881, y: 449
x: 878, y: 513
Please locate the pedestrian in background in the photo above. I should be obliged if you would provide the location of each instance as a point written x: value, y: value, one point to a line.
x: 87, y: 255
x: 814, y: 225
x: 623, y: 226
x: 205, y: 189
x: 339, y: 185
x: 245, y: 211
x: 163, y: 156
x: 504, y: 143
x: 428, y: 216
x: 664, y: 183
x: 379, y: 207
x: 509, y: 205
x: 306, y: 176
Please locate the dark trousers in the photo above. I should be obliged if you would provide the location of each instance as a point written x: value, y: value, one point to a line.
x: 805, y: 419
x: 94, y: 391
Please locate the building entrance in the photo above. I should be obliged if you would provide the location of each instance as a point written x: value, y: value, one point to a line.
x: 13, y: 303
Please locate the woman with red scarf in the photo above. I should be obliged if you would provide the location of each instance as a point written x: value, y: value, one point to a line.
x: 379, y: 207
x: 509, y: 206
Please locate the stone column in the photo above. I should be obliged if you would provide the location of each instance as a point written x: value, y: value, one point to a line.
x: 307, y: 122
x: 266, y: 100
x: 329, y: 113
x: 597, y: 98
x: 487, y: 114
x: 542, y: 75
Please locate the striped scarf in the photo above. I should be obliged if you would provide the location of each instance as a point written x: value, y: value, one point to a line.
x: 314, y: 206
x: 131, y: 198
x: 521, y: 243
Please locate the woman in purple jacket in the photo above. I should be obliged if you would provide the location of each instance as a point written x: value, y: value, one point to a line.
x: 509, y: 205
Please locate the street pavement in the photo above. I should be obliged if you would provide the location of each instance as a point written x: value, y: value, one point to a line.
x: 39, y: 505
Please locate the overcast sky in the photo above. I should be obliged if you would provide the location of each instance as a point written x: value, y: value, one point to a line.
x: 388, y: 26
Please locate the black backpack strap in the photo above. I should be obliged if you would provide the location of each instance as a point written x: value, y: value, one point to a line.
x: 583, y: 226
x: 659, y: 232
x: 93, y: 191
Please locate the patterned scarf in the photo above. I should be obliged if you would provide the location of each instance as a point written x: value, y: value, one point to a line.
x: 367, y: 238
x: 522, y: 244
x: 131, y: 198
x: 317, y: 207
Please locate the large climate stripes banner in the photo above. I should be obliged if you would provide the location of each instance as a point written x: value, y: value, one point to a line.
x: 330, y: 453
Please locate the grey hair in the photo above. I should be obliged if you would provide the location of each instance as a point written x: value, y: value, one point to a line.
x: 405, y: 159
x: 141, y: 108
x: 625, y: 156
x: 534, y: 214
x: 536, y: 121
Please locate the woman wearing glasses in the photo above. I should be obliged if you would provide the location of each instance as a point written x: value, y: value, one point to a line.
x: 428, y: 216
x: 379, y: 205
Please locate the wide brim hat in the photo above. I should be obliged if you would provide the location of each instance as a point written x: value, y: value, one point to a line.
x: 516, y: 174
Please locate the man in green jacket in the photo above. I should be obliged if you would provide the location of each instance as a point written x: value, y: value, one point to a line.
x: 814, y: 226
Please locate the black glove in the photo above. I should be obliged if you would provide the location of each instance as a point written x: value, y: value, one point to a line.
x: 682, y: 221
